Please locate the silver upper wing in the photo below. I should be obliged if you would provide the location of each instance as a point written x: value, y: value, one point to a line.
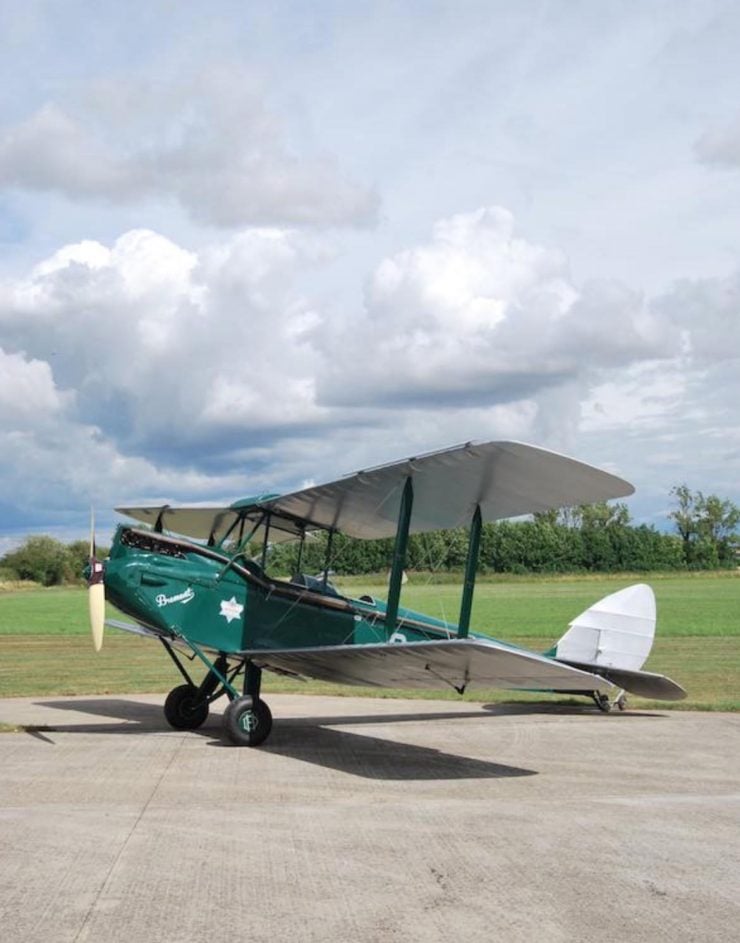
x: 506, y: 479
x: 210, y: 523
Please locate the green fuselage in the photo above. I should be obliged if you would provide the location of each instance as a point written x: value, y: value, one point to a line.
x: 230, y: 606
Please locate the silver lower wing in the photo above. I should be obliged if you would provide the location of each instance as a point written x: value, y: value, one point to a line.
x: 135, y: 628
x: 145, y: 631
x: 455, y: 663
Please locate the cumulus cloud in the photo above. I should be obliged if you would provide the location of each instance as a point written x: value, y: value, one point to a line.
x: 210, y: 143
x: 50, y: 150
x: 479, y: 315
x: 167, y: 348
x: 153, y: 362
x: 51, y: 464
x: 678, y: 416
x: 164, y: 371
x: 28, y: 396
x: 644, y: 398
x: 707, y: 312
x: 720, y: 147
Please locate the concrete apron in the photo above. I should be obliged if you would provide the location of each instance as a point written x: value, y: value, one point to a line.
x: 368, y: 820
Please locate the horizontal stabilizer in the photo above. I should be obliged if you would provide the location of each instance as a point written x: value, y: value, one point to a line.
x: 641, y: 683
x: 455, y: 663
x: 616, y: 632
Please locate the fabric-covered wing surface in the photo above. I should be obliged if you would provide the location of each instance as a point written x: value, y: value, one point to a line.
x: 207, y: 523
x: 194, y: 522
x: 506, y: 479
x: 135, y: 628
x: 450, y: 662
x: 642, y: 683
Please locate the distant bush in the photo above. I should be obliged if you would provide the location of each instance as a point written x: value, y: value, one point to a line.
x: 9, y: 579
x: 41, y: 559
x: 46, y: 561
x: 598, y: 538
x: 78, y: 555
x: 13, y: 585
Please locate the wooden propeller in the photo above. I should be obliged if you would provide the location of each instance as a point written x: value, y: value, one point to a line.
x: 96, y: 592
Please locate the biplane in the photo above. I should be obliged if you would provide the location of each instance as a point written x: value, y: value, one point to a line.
x: 189, y: 577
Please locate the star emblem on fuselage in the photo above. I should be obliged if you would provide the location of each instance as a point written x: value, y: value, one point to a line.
x: 231, y: 609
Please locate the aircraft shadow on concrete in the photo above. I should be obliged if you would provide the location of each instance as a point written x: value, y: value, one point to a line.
x: 377, y: 758
x: 565, y: 708
x: 307, y: 739
x: 132, y: 716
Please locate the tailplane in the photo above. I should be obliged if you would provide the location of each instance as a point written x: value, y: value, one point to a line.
x: 613, y: 639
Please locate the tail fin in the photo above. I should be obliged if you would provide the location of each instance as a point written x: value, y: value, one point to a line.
x: 613, y: 639
x: 616, y: 632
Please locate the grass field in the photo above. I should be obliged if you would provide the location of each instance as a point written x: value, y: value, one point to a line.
x: 45, y: 647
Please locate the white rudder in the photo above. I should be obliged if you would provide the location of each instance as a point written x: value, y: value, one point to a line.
x: 616, y: 632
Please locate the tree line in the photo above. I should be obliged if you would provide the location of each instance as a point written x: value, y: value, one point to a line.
x: 589, y: 538
x: 42, y: 559
x: 599, y: 538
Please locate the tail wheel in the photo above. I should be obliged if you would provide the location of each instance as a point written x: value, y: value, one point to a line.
x: 602, y: 701
x: 247, y: 721
x: 184, y: 708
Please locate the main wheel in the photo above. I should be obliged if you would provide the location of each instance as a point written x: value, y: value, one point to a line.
x: 247, y: 721
x: 184, y: 709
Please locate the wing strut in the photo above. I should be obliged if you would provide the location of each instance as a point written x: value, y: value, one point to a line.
x: 158, y: 522
x: 471, y: 565
x: 399, y: 555
x: 327, y: 561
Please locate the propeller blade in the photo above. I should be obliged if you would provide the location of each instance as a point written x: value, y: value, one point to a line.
x: 92, y: 534
x: 96, y: 591
x: 96, y: 601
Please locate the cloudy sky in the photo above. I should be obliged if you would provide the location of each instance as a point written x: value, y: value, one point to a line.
x: 249, y: 246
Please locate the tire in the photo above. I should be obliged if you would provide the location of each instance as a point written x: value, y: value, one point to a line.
x: 602, y: 702
x: 247, y: 721
x: 184, y: 709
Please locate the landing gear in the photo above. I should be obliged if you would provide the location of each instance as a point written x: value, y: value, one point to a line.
x: 185, y: 708
x: 247, y: 721
x: 602, y: 701
x: 604, y: 704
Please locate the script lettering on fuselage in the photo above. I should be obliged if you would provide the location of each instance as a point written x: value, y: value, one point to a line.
x: 183, y: 597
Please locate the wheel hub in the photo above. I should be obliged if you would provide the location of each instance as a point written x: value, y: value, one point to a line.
x: 249, y: 721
